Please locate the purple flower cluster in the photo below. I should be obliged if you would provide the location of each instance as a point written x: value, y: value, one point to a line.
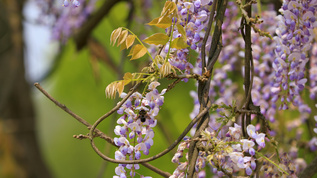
x: 180, y: 171
x: 292, y: 166
x: 75, y: 3
x: 294, y: 37
x: 247, y: 146
x: 65, y: 19
x: 134, y: 134
x: 193, y: 17
x: 228, y: 155
x: 70, y: 19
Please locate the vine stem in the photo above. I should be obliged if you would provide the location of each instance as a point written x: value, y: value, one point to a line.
x: 172, y: 146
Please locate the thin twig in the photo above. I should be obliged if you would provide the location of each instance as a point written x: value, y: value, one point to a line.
x: 97, y: 132
x: 172, y: 146
x: 132, y: 90
x: 201, y: 78
x: 78, y: 118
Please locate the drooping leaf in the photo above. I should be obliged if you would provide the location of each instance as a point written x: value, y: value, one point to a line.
x: 123, y: 46
x: 111, y: 90
x: 179, y: 43
x: 166, y: 69
x: 161, y: 22
x: 114, y: 35
x: 120, y: 87
x: 138, y: 51
x: 127, y: 78
x: 131, y: 51
x: 157, y: 39
x: 129, y: 41
x: 122, y: 37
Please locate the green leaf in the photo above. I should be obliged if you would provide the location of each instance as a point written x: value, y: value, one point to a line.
x: 157, y: 39
x: 179, y: 43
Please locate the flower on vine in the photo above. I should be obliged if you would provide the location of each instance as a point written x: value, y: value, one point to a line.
x: 120, y: 172
x: 131, y: 127
x: 251, y: 131
x: 75, y: 3
x: 235, y: 131
x: 260, y: 140
x: 248, y: 146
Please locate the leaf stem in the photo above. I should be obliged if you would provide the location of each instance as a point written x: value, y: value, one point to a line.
x: 169, y: 47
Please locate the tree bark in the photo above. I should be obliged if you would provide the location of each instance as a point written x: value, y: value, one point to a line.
x: 19, y: 148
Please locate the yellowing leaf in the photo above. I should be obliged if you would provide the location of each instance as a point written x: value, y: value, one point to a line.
x: 111, y: 90
x: 129, y: 41
x: 157, y: 39
x: 127, y: 78
x: 123, y: 46
x: 120, y: 87
x: 114, y: 35
x: 168, y: 8
x: 131, y: 51
x: 138, y: 51
x: 166, y: 69
x: 181, y: 30
x: 179, y: 43
x: 122, y: 37
x: 161, y: 22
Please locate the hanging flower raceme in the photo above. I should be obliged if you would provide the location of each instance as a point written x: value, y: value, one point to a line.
x: 134, y: 130
x: 227, y: 156
x: 294, y: 37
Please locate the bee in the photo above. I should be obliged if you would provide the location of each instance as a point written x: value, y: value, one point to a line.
x: 143, y: 115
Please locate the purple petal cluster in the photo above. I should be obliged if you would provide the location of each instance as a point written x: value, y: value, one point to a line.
x: 230, y: 155
x: 193, y: 17
x: 294, y: 37
x: 66, y: 18
x: 75, y: 3
x: 135, y: 137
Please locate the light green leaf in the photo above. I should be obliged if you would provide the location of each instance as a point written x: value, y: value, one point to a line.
x: 179, y: 43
